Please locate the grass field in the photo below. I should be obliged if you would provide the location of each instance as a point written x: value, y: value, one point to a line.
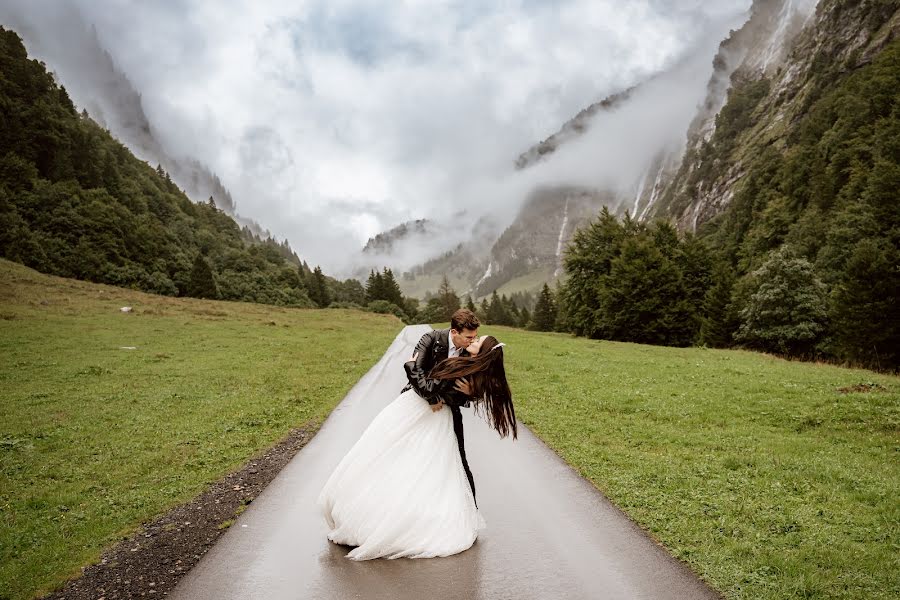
x: 532, y: 282
x: 772, y: 479
x: 108, y: 418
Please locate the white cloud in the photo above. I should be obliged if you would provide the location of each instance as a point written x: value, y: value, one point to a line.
x: 330, y: 120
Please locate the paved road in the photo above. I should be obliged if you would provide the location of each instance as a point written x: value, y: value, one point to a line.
x: 550, y: 533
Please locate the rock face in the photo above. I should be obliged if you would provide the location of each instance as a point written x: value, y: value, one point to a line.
x: 761, y: 82
x: 768, y: 90
x: 756, y: 49
x: 533, y: 244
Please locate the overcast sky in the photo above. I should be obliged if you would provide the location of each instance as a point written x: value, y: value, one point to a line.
x: 333, y: 120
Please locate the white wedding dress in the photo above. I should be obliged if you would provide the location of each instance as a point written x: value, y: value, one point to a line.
x: 401, y: 490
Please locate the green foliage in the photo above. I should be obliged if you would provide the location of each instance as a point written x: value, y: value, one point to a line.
x: 383, y: 286
x: 440, y: 308
x: 384, y: 307
x: 821, y: 173
x: 202, y: 284
x: 631, y: 282
x: 75, y: 202
x: 318, y: 288
x: 719, y: 320
x: 865, y: 306
x: 349, y: 291
x: 498, y: 312
x: 544, y: 318
x: 786, y: 310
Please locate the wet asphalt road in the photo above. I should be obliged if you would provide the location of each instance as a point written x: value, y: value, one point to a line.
x: 550, y: 533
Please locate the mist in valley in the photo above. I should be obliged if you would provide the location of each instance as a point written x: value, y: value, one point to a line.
x: 329, y: 123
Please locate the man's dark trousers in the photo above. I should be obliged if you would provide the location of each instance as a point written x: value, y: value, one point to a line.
x: 458, y: 428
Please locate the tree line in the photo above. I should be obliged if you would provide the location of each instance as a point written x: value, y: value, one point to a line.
x: 75, y: 202
x: 804, y: 261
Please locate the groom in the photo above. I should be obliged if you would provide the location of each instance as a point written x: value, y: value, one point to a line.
x: 433, y: 347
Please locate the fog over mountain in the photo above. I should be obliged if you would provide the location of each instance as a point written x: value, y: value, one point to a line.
x: 329, y: 122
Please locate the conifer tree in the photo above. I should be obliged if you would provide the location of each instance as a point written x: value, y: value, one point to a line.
x: 202, y: 284
x: 865, y: 310
x: 497, y: 313
x: 374, y: 287
x: 483, y: 310
x: 544, y: 318
x: 719, y: 321
x: 318, y: 288
x: 390, y: 289
x: 449, y: 301
x: 524, y: 318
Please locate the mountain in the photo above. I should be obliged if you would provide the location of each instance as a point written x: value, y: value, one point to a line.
x: 387, y: 242
x: 770, y: 95
x: 530, y: 251
x: 75, y: 202
x: 791, y: 193
x: 762, y: 46
x: 573, y: 128
x: 78, y: 60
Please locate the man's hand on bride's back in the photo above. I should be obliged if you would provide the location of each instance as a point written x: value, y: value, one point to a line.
x: 437, y: 406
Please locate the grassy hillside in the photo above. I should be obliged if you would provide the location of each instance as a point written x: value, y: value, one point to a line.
x: 773, y: 479
x: 110, y: 418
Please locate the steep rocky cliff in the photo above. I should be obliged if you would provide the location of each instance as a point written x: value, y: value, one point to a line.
x: 764, y: 79
x: 772, y: 85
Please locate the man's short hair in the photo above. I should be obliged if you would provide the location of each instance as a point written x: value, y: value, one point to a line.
x: 464, y: 319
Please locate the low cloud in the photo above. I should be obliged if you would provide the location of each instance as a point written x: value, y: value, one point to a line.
x: 333, y: 121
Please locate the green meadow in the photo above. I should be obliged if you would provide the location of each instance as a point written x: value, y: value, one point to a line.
x: 772, y: 479
x: 110, y: 418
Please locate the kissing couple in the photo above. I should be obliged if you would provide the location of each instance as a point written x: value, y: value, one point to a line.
x: 405, y: 488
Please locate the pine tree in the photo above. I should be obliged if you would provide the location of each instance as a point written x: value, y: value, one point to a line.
x: 202, y: 284
x: 544, y: 318
x: 643, y: 298
x: 497, y: 313
x: 374, y: 287
x: 524, y: 318
x: 719, y: 321
x: 865, y: 308
x: 588, y: 261
x: 469, y: 303
x: 449, y: 301
x: 318, y: 288
x: 390, y: 289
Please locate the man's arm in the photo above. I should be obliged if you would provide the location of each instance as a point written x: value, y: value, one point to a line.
x: 416, y: 373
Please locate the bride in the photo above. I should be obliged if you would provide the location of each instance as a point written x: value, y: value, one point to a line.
x: 401, y: 490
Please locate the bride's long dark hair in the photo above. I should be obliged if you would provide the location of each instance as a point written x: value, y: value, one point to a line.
x: 487, y: 377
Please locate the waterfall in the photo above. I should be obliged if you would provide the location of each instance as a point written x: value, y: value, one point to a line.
x: 559, y: 241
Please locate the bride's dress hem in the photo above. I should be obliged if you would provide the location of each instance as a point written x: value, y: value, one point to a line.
x: 401, y: 490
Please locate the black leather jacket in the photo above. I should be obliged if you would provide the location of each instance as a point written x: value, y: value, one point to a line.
x: 432, y: 349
